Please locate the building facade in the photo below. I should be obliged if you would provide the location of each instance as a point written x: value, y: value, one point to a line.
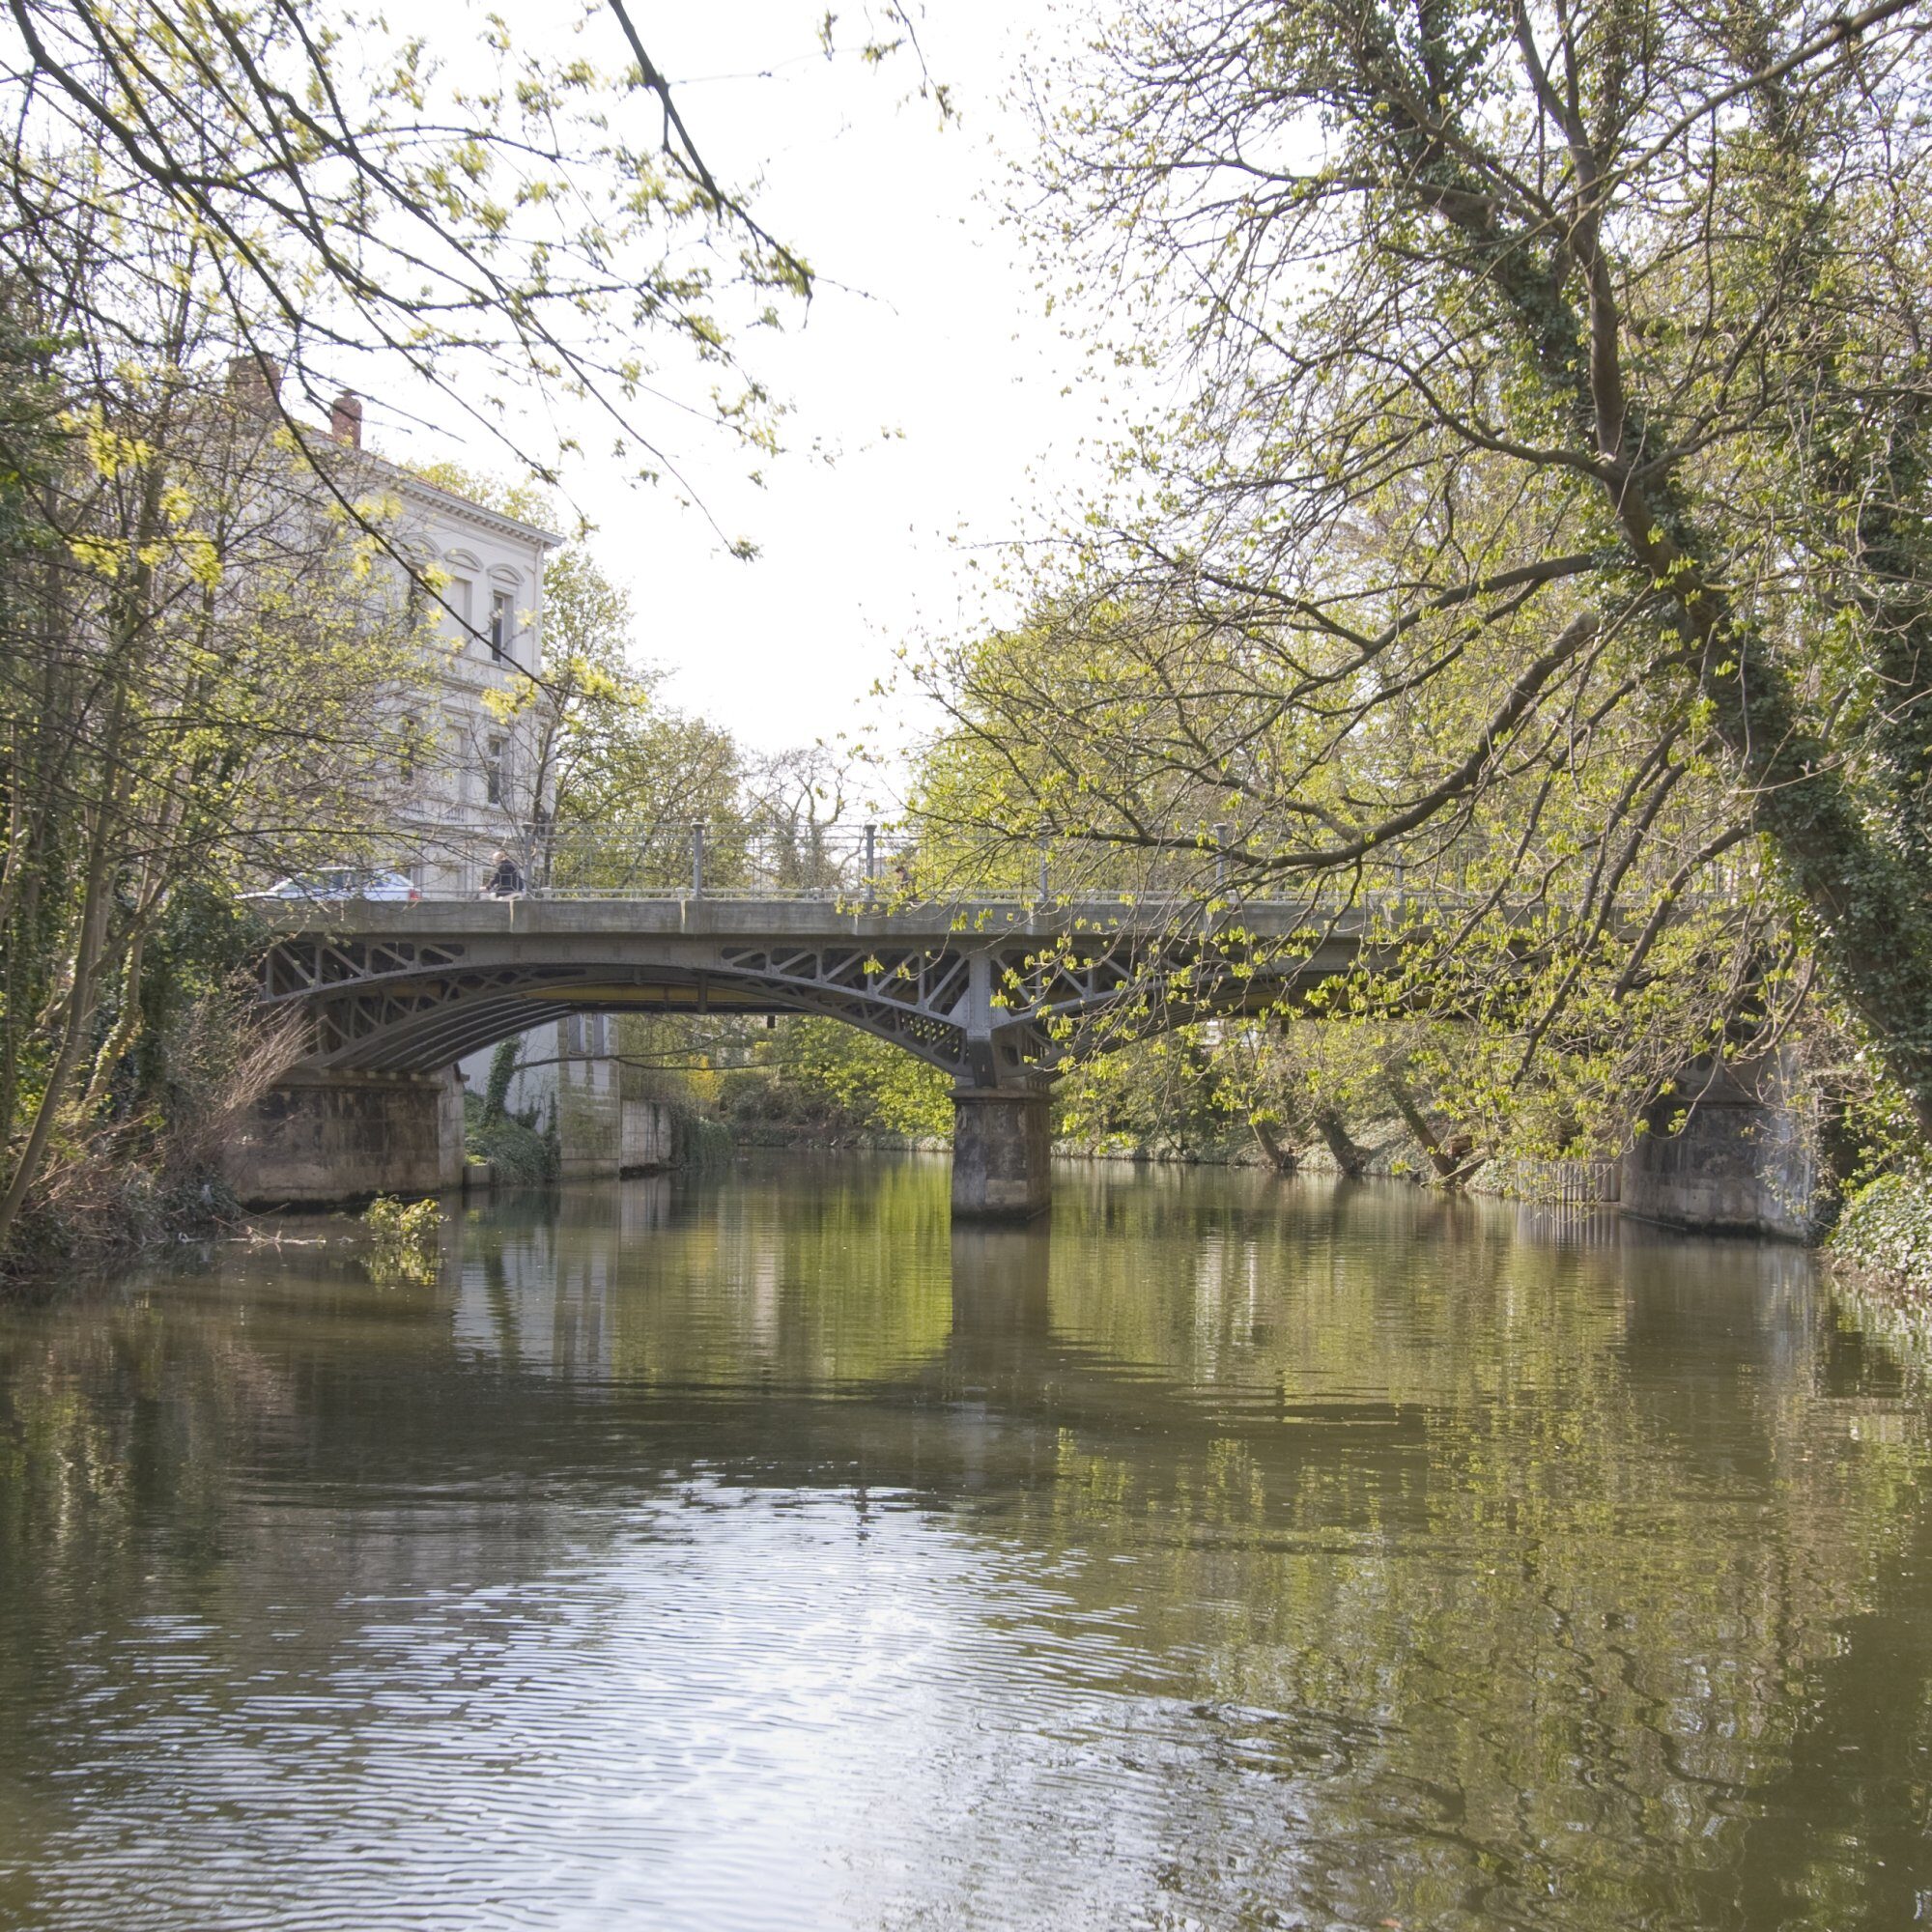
x: 477, y: 790
x: 471, y: 786
x: 475, y: 585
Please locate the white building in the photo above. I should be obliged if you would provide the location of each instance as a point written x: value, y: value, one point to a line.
x: 467, y: 786
x: 474, y: 787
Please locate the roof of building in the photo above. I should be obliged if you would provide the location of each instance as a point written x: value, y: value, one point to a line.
x: 255, y: 384
x: 414, y: 485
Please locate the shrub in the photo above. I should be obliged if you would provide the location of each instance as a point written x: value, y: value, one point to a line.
x: 1885, y: 1231
x: 406, y: 1244
x: 523, y: 1153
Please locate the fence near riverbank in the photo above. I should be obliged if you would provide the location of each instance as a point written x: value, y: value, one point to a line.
x: 1564, y: 1183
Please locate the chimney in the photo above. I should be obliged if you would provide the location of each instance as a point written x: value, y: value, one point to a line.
x: 345, y: 418
x: 255, y: 380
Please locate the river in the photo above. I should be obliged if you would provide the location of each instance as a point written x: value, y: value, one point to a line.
x: 749, y: 1550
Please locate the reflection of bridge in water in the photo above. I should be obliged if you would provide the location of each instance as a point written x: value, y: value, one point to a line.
x: 999, y: 993
x: 847, y: 1275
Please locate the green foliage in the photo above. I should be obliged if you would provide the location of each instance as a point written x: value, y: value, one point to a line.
x: 838, y: 1082
x: 405, y: 1244
x: 699, y: 1141
x: 1164, y: 1096
x: 502, y: 1070
x: 1885, y: 1231
x: 523, y: 1153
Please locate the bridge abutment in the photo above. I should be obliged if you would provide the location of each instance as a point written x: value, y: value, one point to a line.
x: 1729, y: 1153
x: 1001, y: 1153
x: 313, y: 1139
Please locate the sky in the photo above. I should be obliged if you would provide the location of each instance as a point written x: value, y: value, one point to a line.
x: 933, y: 407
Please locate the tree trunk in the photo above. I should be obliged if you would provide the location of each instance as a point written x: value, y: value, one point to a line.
x: 1348, y: 1157
x: 1282, y: 1159
x: 1446, y: 1165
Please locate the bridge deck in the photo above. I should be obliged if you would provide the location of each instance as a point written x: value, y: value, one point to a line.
x: 993, y: 990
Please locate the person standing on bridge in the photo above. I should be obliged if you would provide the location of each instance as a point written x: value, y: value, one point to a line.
x: 505, y: 882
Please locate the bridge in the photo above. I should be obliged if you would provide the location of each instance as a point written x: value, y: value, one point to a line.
x: 999, y: 992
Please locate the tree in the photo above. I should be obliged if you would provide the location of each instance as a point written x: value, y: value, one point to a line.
x: 1538, y: 954
x: 797, y: 804
x: 820, y: 1073
x: 188, y: 659
x: 1550, y: 493
x: 613, y: 779
x: 536, y: 214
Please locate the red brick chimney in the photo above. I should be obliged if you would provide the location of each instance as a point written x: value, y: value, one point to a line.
x: 255, y: 380
x: 345, y: 419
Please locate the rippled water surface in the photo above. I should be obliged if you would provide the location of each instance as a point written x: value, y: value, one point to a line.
x: 754, y: 1553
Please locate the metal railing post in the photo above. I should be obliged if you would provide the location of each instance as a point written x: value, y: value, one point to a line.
x: 1224, y: 834
x: 1046, y: 892
x: 872, y: 866
x: 698, y: 859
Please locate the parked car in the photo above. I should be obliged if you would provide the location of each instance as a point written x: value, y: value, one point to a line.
x: 337, y: 883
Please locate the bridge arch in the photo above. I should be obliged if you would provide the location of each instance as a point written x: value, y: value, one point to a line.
x: 999, y: 995
x: 400, y: 1005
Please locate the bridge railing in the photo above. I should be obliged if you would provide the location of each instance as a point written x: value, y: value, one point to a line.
x: 867, y: 867
x: 1085, y: 899
x: 673, y: 862
x: 871, y: 868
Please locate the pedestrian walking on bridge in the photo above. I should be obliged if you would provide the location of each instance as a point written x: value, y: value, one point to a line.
x: 505, y: 881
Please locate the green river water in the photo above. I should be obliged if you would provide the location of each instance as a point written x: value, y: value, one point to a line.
x: 751, y: 1550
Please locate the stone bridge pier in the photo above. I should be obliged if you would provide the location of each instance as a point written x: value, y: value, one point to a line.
x: 1001, y: 1153
x: 1002, y: 1107
x: 317, y: 1138
x: 322, y: 1136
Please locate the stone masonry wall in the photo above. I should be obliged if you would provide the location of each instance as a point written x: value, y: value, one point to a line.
x: 1742, y: 1162
x: 649, y: 1136
x: 312, y: 1142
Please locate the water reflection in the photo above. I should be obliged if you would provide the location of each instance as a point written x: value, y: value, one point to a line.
x: 764, y: 1552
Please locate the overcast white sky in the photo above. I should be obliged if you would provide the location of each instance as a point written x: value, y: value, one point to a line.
x: 927, y: 368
